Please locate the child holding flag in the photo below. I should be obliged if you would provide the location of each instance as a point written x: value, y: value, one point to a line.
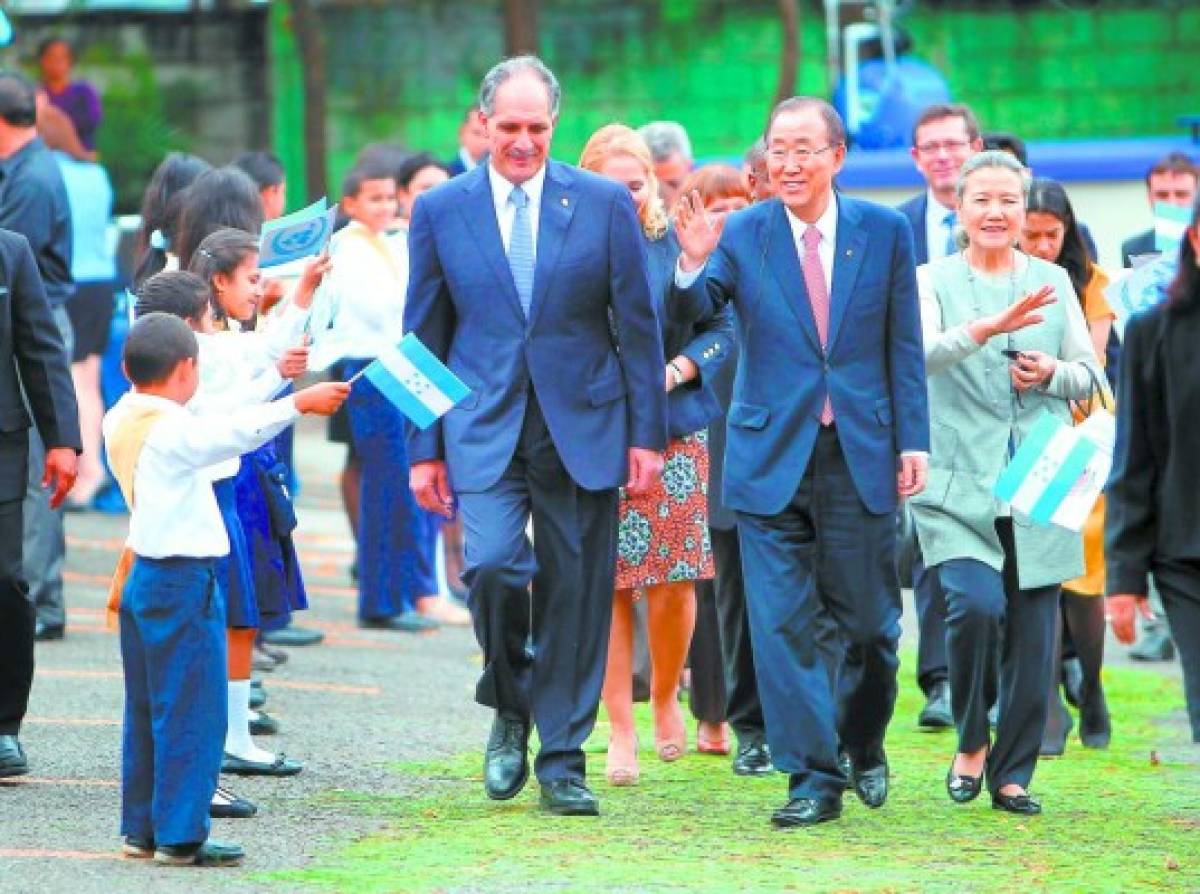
x: 172, y: 615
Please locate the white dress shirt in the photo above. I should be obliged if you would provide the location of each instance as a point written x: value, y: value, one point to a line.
x: 936, y: 233
x: 360, y: 303
x: 175, y: 512
x: 506, y: 210
x: 826, y: 225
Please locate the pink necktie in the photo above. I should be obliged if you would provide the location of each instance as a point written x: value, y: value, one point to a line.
x: 818, y: 294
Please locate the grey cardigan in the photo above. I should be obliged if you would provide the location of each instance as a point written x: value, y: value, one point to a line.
x: 975, y: 417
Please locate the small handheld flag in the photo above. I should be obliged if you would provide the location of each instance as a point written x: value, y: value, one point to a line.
x: 302, y: 234
x: 417, y: 383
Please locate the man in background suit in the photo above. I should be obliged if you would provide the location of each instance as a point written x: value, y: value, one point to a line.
x: 33, y: 202
x: 828, y: 423
x: 944, y: 137
x: 32, y: 358
x: 518, y: 269
x: 472, y: 143
x: 1172, y: 180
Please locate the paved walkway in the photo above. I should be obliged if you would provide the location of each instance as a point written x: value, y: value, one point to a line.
x: 351, y: 709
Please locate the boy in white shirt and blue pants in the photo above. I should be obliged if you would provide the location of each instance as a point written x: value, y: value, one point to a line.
x: 172, y: 613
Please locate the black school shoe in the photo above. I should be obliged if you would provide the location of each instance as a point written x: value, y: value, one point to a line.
x: 206, y: 853
x: 263, y: 724
x: 227, y: 805
x: 281, y: 766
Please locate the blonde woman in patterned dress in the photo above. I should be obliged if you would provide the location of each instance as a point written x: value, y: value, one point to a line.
x: 662, y: 542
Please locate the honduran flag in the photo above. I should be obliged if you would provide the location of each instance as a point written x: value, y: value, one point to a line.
x: 419, y: 384
x: 1058, y: 471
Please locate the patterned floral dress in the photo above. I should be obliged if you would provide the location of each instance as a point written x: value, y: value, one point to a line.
x: 663, y: 536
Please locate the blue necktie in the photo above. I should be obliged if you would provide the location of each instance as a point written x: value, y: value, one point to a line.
x: 520, y: 248
x: 948, y: 222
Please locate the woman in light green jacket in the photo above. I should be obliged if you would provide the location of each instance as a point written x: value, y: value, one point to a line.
x: 1005, y: 342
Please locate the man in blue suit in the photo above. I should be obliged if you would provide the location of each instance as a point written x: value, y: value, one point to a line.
x: 829, y: 422
x: 944, y: 137
x: 528, y: 278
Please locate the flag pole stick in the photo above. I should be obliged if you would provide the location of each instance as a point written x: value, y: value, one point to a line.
x: 358, y: 375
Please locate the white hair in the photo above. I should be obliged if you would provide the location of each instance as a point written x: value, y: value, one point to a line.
x: 503, y: 71
x: 666, y: 138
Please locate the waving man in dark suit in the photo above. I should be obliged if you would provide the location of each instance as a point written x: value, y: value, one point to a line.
x: 828, y: 424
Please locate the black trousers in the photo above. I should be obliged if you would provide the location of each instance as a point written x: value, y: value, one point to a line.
x: 567, y: 615
x: 1179, y: 585
x: 17, y: 618
x: 707, y: 697
x: 989, y: 615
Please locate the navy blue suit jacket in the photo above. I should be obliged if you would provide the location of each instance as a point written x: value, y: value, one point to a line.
x: 873, y: 370
x: 707, y: 342
x: 914, y: 209
x: 600, y: 388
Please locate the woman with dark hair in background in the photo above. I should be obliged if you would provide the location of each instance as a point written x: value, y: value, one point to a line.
x: 1151, y: 526
x: 161, y: 204
x: 1051, y: 232
x: 218, y: 198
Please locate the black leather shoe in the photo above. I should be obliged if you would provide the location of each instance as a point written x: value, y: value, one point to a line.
x: 1095, y: 725
x: 281, y: 766
x: 263, y: 724
x: 871, y: 784
x: 258, y: 697
x: 293, y: 636
x: 806, y: 812
x: 279, y: 655
x: 506, y: 759
x: 1023, y: 805
x: 207, y: 853
x: 962, y: 789
x: 43, y: 632
x: 569, y: 797
x: 1072, y: 681
x: 227, y: 805
x: 753, y: 759
x: 406, y: 622
x: 12, y: 757
x: 936, y: 714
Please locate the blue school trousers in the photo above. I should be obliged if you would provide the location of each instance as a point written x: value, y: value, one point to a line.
x: 390, y: 530
x: 174, y: 655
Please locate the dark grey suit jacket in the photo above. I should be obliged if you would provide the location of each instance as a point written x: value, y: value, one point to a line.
x: 34, y: 359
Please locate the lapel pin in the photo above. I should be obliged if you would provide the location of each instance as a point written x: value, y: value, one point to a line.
x: 565, y: 202
x: 849, y: 252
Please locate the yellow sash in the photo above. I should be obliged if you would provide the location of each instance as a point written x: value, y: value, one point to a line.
x: 124, y: 451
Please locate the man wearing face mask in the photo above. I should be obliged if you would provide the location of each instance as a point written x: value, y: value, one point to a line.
x: 516, y: 270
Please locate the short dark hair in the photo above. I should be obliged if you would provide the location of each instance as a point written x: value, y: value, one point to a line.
x: 222, y: 197
x: 415, y: 164
x: 264, y: 168
x: 1007, y: 142
x: 18, y: 99
x: 833, y: 121
x: 369, y: 169
x: 941, y: 110
x: 1174, y: 163
x: 157, y: 343
x: 51, y: 41
x: 175, y: 292
x: 221, y: 252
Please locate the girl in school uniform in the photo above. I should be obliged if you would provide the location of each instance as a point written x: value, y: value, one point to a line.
x: 246, y: 361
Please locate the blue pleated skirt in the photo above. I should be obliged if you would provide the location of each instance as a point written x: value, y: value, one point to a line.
x: 278, y: 582
x: 234, y: 571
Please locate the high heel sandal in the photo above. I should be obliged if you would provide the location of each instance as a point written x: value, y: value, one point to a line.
x: 671, y: 748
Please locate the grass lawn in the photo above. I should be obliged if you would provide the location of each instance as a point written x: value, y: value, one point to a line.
x: 1121, y: 820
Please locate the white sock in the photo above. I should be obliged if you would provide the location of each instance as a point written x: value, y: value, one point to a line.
x: 237, y: 734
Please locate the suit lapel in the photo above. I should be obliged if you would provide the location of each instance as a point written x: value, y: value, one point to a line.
x: 785, y: 265
x: 479, y: 212
x: 554, y: 217
x: 847, y: 260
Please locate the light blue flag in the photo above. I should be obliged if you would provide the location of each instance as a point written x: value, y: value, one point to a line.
x: 420, y: 385
x: 294, y: 237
